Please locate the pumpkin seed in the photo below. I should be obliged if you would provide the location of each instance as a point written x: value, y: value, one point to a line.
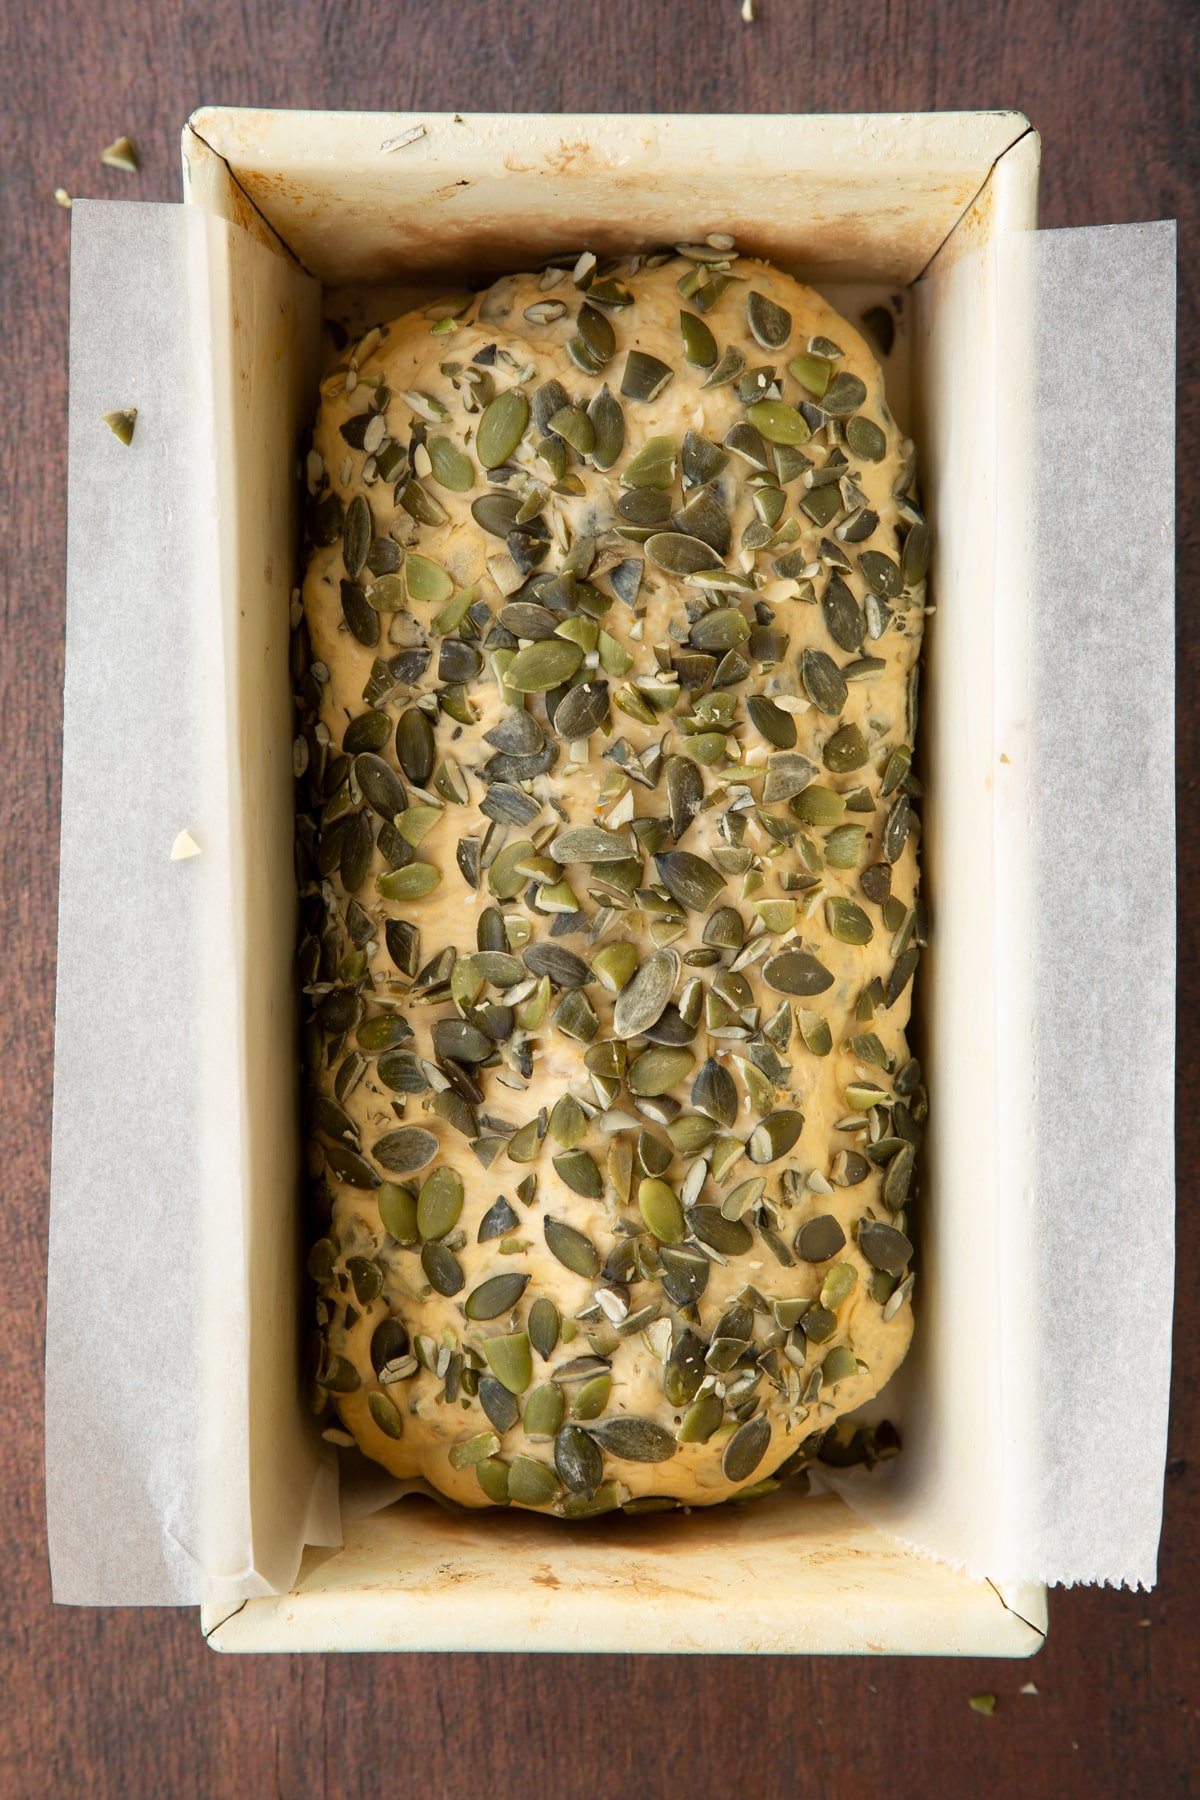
x: 425, y: 579
x: 499, y: 1294
x: 608, y: 428
x: 571, y: 1248
x: 645, y: 376
x: 729, y: 1237
x: 470, y: 1451
x: 443, y: 1271
x: 544, y: 1412
x: 367, y: 1278
x: 746, y: 1449
x: 451, y: 468
x: 775, y: 1136
x: 542, y: 666
x: 865, y: 439
x: 699, y: 344
x: 531, y: 1483
x: 389, y: 1342
x: 884, y: 1247
x: 702, y: 1418
x: 653, y: 466
x: 820, y: 1239
x: 659, y: 1206
x: 405, y: 1151
x: 839, y: 1364
x: 510, y: 1361
x: 497, y: 1221
x: 714, y: 1093
x: 659, y: 1069
x: 386, y: 1415
x: 590, y: 844
x: 839, y: 1283
x: 635, y: 1440
x: 844, y: 395
x: 582, y: 711
x: 847, y: 921
x: 642, y: 1000
x: 778, y: 423
x: 578, y: 1460
x: 796, y: 972
x: 685, y: 1273
x: 544, y: 1326
x: 690, y: 880
x: 882, y: 574
x: 679, y: 554
x: 501, y: 427
x: 914, y: 558
x: 770, y: 324
x: 845, y: 751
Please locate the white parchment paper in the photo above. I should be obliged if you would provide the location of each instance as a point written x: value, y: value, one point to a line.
x: 1036, y: 1391
x: 178, y: 1466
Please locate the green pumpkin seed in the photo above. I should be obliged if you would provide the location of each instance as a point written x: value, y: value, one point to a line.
x: 775, y: 1136
x: 590, y: 844
x: 884, y: 1247
x: 778, y: 422
x: 498, y: 1404
x: 451, y: 468
x: 679, y: 554
x: 844, y: 395
x: 659, y: 1206
x: 653, y: 466
x: 635, y: 1440
x: 770, y: 324
x: 642, y: 1001
x: 443, y: 1271
x: 499, y: 1294
x: 914, y: 559
x: 531, y: 1483
x: 367, y: 1278
x: 492, y: 1476
x: 865, y: 439
x: 614, y: 964
x: 544, y: 1412
x: 571, y: 1248
x: 845, y: 751
x: 590, y: 1400
x: 501, y: 427
x: 839, y: 1364
x: 385, y: 1414
x: 699, y: 344
x: 577, y: 1171
x: 597, y: 335
x: 608, y: 428
x: 684, y: 1370
x: 714, y: 1093
x: 882, y: 574
x: 578, y: 1460
x: 839, y: 1283
x: 727, y: 370
x: 702, y: 1418
x: 796, y: 972
x: 657, y: 1070
x: 398, y: 1212
x: 510, y: 1360
x: 689, y: 879
x: 645, y: 376
x: 542, y: 666
x: 544, y: 1326
x: 746, y: 1449
x: 843, y: 847
x: 405, y: 1151
x: 771, y: 722
x: 412, y: 882
x: 426, y: 580
x: 847, y: 921
x: 416, y: 747
x: 823, y: 682
x: 820, y: 1239
x: 473, y: 1450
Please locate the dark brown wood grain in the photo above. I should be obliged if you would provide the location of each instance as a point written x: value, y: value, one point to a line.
x: 132, y: 1703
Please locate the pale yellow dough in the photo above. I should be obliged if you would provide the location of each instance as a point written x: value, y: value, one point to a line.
x: 412, y: 356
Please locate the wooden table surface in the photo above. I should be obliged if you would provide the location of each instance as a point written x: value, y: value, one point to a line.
x: 132, y: 1703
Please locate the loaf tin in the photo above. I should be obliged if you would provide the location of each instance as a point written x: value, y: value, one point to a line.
x: 176, y: 1140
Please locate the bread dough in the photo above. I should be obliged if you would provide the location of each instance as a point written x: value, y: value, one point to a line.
x: 405, y: 402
